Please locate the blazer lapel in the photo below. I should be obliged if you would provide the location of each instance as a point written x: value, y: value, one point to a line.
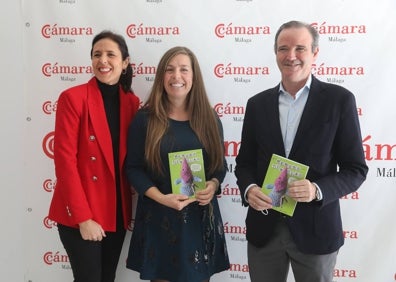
x: 309, y: 115
x: 97, y: 116
x: 273, y: 111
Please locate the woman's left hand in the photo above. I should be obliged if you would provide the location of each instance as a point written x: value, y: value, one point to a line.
x: 206, y: 195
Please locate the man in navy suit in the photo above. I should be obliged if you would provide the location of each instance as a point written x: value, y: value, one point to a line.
x: 314, y: 123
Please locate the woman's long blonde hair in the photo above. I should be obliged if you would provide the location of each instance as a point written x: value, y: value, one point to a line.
x: 203, y: 119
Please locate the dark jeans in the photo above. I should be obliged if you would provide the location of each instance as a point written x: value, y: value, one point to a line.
x: 92, y: 261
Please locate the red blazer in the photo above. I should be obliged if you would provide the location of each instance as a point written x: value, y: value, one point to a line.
x: 83, y: 154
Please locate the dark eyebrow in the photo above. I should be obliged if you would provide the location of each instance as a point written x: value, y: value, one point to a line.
x: 182, y: 66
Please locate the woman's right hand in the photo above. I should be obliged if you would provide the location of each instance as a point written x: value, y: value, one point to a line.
x: 91, y: 230
x: 174, y: 201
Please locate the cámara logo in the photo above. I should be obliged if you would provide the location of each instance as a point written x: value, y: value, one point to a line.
x: 134, y: 30
x: 221, y: 30
x: 49, y: 69
x: 222, y: 70
x: 325, y: 28
x: 228, y: 109
x: 322, y: 69
x: 378, y: 151
x: 48, y: 223
x: 48, y: 31
x: 49, y: 185
x: 55, y: 257
x: 231, y: 148
x: 49, y: 107
x: 141, y: 69
x: 48, y: 145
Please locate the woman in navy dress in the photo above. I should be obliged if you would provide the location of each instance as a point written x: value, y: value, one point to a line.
x: 176, y: 238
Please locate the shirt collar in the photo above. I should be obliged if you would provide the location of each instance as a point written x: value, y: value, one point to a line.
x: 307, y: 86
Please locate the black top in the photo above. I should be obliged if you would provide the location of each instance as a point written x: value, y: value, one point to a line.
x: 111, y: 101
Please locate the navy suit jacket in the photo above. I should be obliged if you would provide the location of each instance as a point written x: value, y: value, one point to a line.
x: 328, y: 140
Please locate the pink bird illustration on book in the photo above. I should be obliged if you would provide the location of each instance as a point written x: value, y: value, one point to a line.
x: 187, y: 179
x: 279, y: 188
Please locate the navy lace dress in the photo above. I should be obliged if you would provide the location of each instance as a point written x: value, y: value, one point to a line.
x: 179, y: 246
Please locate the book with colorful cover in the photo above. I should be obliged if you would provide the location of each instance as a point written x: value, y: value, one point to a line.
x: 282, y: 171
x: 187, y: 172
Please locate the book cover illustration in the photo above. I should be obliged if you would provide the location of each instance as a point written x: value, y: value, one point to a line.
x: 280, y: 173
x: 187, y: 172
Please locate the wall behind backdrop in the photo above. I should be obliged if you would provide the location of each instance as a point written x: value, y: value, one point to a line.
x: 233, y: 40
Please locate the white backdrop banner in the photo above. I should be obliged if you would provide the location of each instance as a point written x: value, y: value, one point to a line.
x: 233, y: 40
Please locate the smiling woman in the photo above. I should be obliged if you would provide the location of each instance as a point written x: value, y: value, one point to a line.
x: 107, y: 61
x: 92, y: 208
x: 176, y: 238
x: 177, y: 83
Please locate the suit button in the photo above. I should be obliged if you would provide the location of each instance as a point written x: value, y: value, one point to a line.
x: 68, y: 211
x: 92, y: 138
x: 94, y: 178
x: 93, y: 158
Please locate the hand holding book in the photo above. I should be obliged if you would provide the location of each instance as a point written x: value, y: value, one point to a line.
x: 283, y: 173
x: 302, y: 190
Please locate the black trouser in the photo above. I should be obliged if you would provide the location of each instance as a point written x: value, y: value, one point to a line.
x: 92, y: 261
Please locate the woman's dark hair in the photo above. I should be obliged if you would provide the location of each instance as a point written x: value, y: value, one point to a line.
x: 126, y: 77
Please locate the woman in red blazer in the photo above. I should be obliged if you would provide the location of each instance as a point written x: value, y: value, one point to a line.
x: 92, y: 200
